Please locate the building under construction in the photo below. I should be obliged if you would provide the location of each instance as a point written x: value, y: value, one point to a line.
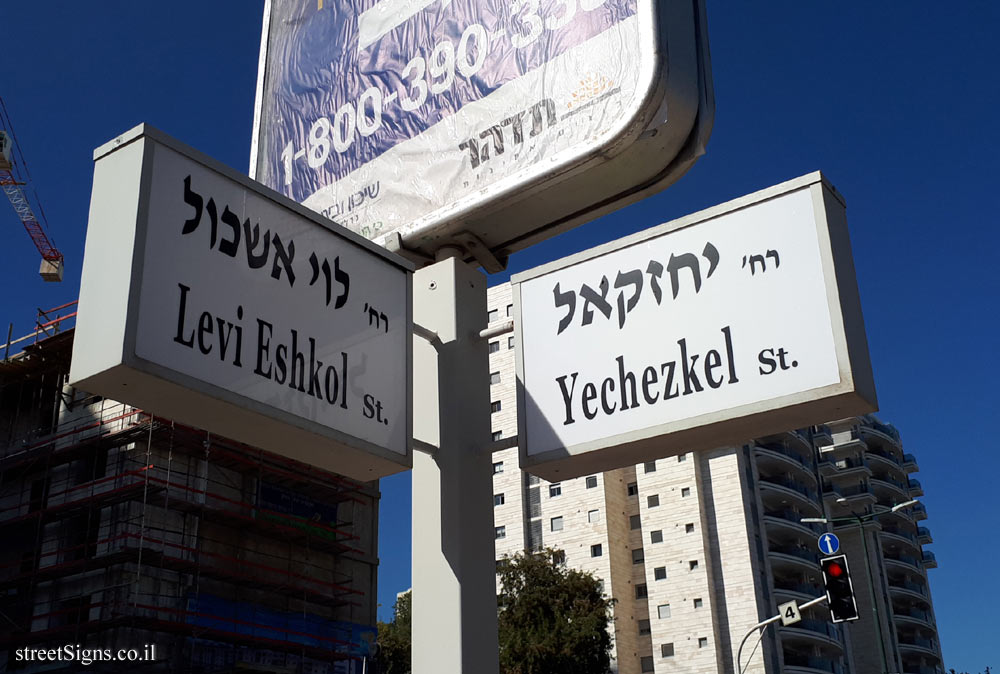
x: 123, y: 530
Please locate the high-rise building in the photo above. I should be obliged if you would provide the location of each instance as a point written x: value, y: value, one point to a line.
x: 696, y: 549
x: 122, y: 530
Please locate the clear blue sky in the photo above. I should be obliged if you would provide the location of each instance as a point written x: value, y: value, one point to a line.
x: 896, y: 102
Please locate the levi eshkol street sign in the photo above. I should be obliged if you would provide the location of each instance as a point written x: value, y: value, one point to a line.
x: 213, y: 301
x: 420, y: 122
x: 730, y: 324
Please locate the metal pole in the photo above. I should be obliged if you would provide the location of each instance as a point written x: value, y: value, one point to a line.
x: 871, y: 594
x: 454, y: 619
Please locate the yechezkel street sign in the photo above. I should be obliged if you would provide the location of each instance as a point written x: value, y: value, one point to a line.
x: 419, y: 123
x: 729, y: 324
x: 211, y: 300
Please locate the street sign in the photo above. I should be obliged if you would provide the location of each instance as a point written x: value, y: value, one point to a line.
x: 789, y: 612
x: 828, y: 543
x: 213, y: 301
x: 418, y: 123
x: 733, y: 323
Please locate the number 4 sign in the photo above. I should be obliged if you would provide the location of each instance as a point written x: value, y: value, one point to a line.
x: 789, y: 612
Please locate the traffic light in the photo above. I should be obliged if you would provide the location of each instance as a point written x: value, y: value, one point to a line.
x: 839, y: 589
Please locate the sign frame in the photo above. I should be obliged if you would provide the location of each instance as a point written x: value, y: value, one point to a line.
x: 854, y: 394
x: 676, y: 76
x: 105, y: 360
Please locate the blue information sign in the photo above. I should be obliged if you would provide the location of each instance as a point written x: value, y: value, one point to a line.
x: 828, y: 543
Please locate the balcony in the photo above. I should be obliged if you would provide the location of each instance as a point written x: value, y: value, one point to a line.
x: 822, y: 435
x: 919, y: 511
x: 910, y: 463
x: 912, y: 562
x: 914, y: 488
x: 929, y: 560
x: 924, y: 536
x: 798, y: 557
x: 845, y: 467
x: 789, y: 486
x: 779, y: 456
x: 789, y: 520
x: 886, y: 432
x: 915, y: 616
x: 854, y: 498
x: 885, y: 459
x: 801, y: 591
x: 813, y: 631
x: 796, y: 663
x: 884, y: 484
x: 843, y: 440
x: 900, y: 536
x: 908, y: 590
x: 915, y: 644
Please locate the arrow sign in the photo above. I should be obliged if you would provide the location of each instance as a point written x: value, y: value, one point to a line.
x: 828, y: 544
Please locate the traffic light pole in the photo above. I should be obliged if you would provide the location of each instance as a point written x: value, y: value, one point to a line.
x: 762, y: 625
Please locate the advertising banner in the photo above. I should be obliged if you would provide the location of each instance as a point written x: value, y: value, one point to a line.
x: 727, y: 325
x: 399, y: 116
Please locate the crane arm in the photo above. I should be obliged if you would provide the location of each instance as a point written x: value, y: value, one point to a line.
x: 19, y: 202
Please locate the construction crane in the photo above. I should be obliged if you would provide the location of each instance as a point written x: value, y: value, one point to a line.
x: 11, y: 181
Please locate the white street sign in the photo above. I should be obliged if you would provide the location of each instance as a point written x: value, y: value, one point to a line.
x: 708, y: 331
x: 417, y: 122
x: 789, y: 612
x: 211, y: 300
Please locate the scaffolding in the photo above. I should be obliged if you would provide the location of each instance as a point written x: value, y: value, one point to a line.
x: 125, y: 529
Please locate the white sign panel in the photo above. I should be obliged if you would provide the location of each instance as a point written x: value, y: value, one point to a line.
x: 210, y: 300
x: 727, y: 325
x: 419, y: 118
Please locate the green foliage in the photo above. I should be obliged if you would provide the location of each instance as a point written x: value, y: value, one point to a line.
x: 394, y: 639
x: 552, y: 620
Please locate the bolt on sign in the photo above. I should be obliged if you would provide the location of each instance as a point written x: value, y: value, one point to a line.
x: 416, y: 122
x: 729, y: 324
x: 211, y: 300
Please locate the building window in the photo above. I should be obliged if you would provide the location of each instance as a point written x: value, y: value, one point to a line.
x: 497, y: 435
x: 494, y: 347
x: 556, y: 523
x: 644, y: 628
x: 495, y: 406
x: 666, y: 650
x: 558, y: 556
x: 693, y: 564
x: 591, y: 482
x: 500, y: 532
x: 634, y: 522
x: 663, y: 611
x: 492, y: 315
x: 656, y: 536
x: 633, y: 489
x: 649, y: 467
x: 702, y: 642
x: 494, y: 377
x: 510, y: 342
x: 653, y: 501
x: 498, y: 467
x: 689, y: 528
x: 497, y: 500
x: 698, y: 603
x: 637, y: 557
x: 510, y: 310
x: 660, y: 573
x: 555, y: 490
x: 682, y: 457
x: 596, y: 550
x: 685, y: 492
x: 646, y: 663
x: 640, y: 591
x: 593, y: 516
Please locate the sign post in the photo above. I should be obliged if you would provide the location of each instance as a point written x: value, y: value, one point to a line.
x: 454, y: 619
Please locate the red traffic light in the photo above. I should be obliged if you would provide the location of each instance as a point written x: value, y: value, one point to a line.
x: 835, y: 570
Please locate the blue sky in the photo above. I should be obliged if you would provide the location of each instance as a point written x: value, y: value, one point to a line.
x: 895, y: 102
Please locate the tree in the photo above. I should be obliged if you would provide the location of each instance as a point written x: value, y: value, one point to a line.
x: 394, y: 638
x: 552, y: 620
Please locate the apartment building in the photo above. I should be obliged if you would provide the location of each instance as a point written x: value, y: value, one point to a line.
x: 697, y: 548
x: 123, y: 529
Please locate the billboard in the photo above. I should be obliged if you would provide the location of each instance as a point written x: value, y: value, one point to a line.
x: 209, y: 299
x: 730, y: 324
x: 421, y: 122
